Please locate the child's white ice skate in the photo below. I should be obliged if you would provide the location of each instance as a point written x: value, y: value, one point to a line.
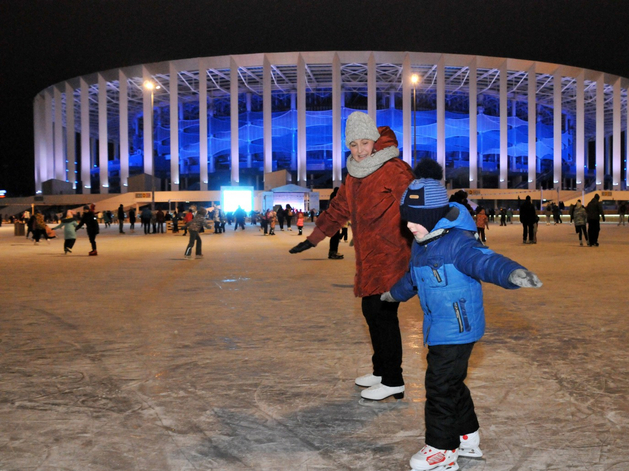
x: 470, y: 445
x: 433, y: 459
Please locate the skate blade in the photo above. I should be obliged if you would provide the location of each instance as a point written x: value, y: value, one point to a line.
x: 388, y: 403
x: 471, y: 452
x: 444, y: 467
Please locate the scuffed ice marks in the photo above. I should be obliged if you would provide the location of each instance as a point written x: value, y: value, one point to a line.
x: 71, y: 392
x: 324, y: 436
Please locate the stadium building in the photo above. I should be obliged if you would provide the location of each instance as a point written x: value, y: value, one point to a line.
x: 499, y: 124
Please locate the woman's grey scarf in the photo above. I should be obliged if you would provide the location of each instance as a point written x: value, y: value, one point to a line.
x: 372, y: 163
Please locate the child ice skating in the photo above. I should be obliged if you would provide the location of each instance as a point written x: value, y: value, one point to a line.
x: 448, y: 263
x: 69, y: 225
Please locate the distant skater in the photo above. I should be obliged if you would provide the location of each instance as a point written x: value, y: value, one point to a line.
x: 69, y: 226
x: 90, y: 221
x: 194, y: 227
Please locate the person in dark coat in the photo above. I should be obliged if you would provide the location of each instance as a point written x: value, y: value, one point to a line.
x: 594, y: 209
x: 132, y: 219
x: 120, y: 219
x: 528, y: 217
x: 90, y: 221
x: 160, y: 218
x: 240, y: 215
x: 370, y: 197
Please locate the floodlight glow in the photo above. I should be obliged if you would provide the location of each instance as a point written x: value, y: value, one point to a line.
x: 232, y: 198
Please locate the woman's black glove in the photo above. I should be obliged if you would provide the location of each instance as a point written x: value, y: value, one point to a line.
x: 305, y: 245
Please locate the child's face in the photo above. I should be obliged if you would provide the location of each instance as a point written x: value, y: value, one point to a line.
x: 419, y: 231
x: 361, y: 149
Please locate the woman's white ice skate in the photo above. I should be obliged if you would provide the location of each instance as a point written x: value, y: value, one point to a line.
x: 470, y: 445
x: 434, y: 459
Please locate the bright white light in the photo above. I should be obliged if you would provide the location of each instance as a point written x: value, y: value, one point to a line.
x: 231, y: 199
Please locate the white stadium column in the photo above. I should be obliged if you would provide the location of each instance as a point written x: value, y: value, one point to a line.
x: 617, y: 119
x: 301, y: 121
x: 86, y: 159
x: 233, y: 100
x: 407, y: 131
x: 70, y: 135
x: 557, y: 143
x: 174, y: 127
x: 532, y: 122
x: 103, y: 156
x: 60, y: 160
x: 372, y: 103
x: 123, y: 110
x: 147, y: 108
x: 50, y: 150
x: 473, y: 112
x: 203, y: 175
x: 580, y: 131
x: 441, y: 113
x: 337, y: 131
x: 267, y: 115
x: 600, y: 132
x: 504, y: 126
x: 40, y: 141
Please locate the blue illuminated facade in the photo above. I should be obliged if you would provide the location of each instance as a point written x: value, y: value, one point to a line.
x: 575, y: 146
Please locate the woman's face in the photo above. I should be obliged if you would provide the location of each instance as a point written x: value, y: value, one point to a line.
x: 361, y: 149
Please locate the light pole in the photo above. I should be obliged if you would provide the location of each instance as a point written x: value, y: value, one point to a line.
x: 152, y: 87
x: 415, y: 81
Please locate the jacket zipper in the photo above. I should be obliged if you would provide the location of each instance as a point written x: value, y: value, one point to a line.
x: 457, y: 311
x: 464, y: 312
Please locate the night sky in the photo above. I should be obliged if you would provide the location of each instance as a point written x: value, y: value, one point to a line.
x: 43, y: 42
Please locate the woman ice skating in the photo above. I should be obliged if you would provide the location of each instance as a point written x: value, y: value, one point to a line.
x: 370, y: 197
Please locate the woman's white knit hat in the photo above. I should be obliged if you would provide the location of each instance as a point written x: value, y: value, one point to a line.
x: 360, y: 126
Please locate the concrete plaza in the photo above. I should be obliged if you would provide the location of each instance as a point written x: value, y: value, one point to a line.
x: 140, y: 360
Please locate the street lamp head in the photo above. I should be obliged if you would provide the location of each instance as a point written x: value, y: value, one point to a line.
x: 150, y: 85
x: 415, y: 79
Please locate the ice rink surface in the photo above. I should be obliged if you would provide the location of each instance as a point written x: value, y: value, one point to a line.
x: 245, y: 360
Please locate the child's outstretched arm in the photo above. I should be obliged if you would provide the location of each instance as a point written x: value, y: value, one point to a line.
x: 477, y: 261
x: 524, y: 278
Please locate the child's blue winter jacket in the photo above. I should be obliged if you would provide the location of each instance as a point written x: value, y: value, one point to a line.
x: 446, y: 269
